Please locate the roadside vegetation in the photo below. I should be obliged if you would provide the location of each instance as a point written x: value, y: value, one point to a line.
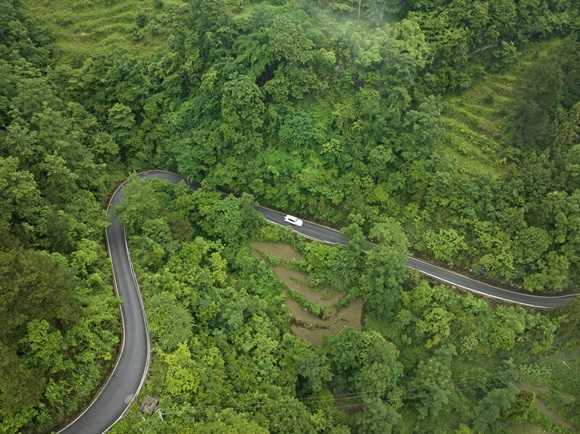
x: 60, y: 319
x: 228, y: 354
x: 450, y: 128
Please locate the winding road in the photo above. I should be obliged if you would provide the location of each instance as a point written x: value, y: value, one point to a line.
x: 123, y: 385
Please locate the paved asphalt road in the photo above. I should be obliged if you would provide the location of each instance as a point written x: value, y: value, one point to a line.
x: 322, y: 233
x: 131, y: 369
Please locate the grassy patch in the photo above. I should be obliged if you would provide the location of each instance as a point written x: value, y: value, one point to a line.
x: 282, y: 251
x: 525, y: 428
x: 475, y: 120
x: 474, y: 126
x: 93, y: 27
x: 556, y: 382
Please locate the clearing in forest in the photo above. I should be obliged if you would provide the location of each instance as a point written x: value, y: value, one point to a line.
x: 474, y: 125
x: 101, y: 27
x: 475, y: 120
x: 543, y: 408
x: 305, y: 324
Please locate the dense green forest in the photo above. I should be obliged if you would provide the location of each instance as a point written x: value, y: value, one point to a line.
x: 344, y: 112
x: 429, y: 360
x: 315, y: 112
x: 60, y: 322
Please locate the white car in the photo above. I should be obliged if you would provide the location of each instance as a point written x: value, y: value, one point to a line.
x: 293, y: 220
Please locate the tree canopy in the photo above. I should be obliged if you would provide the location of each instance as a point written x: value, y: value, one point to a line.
x: 333, y: 110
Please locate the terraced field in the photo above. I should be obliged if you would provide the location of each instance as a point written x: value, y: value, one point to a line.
x: 475, y: 120
x: 305, y: 324
x: 101, y: 26
x: 474, y: 123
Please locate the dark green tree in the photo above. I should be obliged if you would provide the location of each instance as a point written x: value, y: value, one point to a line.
x: 385, y: 269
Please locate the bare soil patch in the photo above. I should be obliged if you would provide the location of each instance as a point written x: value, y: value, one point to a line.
x: 280, y: 250
x: 313, y: 329
x: 298, y: 281
x: 304, y: 324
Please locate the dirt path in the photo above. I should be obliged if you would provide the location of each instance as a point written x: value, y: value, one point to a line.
x: 542, y: 406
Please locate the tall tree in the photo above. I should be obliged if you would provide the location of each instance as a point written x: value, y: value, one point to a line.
x: 385, y: 268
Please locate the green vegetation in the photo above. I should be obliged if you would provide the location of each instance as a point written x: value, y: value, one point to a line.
x: 318, y: 113
x: 98, y: 27
x: 429, y: 358
x: 449, y: 127
x: 476, y: 119
x: 60, y: 319
x: 474, y: 124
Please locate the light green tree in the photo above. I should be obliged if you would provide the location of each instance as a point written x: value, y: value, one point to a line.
x: 170, y: 323
x: 121, y: 121
x: 182, y: 379
x: 445, y: 245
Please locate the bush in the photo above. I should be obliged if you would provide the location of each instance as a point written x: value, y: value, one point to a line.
x: 141, y: 20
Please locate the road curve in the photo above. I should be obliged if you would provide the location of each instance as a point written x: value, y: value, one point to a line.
x: 325, y: 234
x: 124, y: 383
x: 128, y: 376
